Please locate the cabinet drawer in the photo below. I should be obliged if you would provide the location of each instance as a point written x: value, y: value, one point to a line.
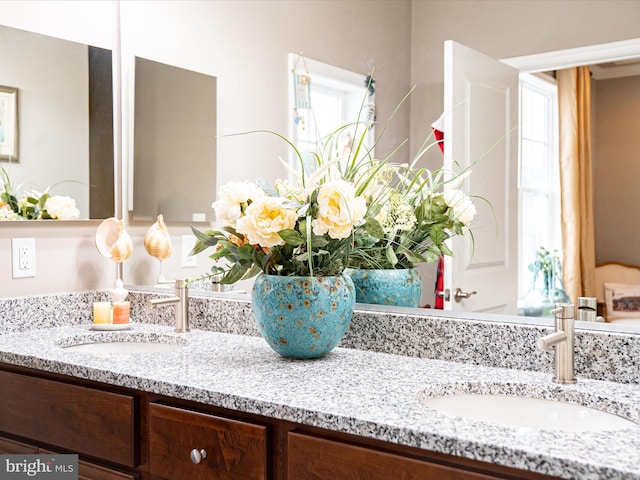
x: 11, y: 447
x: 313, y: 458
x: 234, y: 449
x: 91, y: 471
x: 78, y: 419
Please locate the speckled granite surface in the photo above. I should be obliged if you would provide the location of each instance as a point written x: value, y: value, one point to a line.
x: 372, y: 388
x: 613, y: 356
x: 359, y: 392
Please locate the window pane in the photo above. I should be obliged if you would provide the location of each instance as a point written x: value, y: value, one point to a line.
x: 535, y: 165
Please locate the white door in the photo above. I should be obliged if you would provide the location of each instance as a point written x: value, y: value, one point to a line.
x: 483, y: 92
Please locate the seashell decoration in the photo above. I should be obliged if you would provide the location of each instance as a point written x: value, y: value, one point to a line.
x: 157, y: 241
x: 122, y: 248
x: 112, y: 240
x: 106, y: 236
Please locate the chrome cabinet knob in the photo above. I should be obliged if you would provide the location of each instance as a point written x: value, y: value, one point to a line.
x: 197, y: 455
x: 459, y: 294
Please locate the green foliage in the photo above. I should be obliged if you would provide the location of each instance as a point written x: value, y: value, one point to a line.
x: 408, y: 218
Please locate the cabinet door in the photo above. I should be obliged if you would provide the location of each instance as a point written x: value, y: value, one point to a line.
x: 91, y: 471
x: 78, y: 419
x: 11, y: 447
x: 312, y: 458
x: 228, y: 449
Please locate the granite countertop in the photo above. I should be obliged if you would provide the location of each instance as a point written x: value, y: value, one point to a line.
x: 375, y: 395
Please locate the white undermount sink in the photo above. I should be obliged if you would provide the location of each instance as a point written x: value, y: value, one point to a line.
x: 122, y: 344
x: 522, y: 411
x: 122, y: 347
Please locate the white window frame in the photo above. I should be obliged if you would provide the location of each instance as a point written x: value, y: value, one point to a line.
x: 552, y: 233
x: 349, y: 85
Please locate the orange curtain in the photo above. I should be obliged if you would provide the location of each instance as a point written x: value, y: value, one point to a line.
x: 578, y: 238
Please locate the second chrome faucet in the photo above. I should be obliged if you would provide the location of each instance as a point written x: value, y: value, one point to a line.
x: 563, y: 339
x: 181, y: 303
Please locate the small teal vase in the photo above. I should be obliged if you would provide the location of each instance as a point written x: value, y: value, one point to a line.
x: 402, y: 287
x: 303, y: 317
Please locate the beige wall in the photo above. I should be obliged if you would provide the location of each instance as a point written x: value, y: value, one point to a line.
x: 244, y: 44
x: 503, y: 29
x: 616, y: 158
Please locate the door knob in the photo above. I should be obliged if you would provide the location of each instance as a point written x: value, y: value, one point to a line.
x: 197, y: 455
x: 459, y: 294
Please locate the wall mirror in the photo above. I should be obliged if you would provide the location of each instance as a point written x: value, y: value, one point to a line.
x: 230, y: 80
x: 65, y: 118
x: 174, y: 143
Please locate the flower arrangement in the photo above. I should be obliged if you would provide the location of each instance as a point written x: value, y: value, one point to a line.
x: 33, y: 205
x: 353, y: 211
x: 288, y: 231
x: 413, y: 217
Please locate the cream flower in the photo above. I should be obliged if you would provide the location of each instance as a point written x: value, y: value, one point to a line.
x: 264, y: 218
x: 7, y: 214
x: 233, y: 200
x: 339, y: 210
x: 60, y: 207
x: 463, y: 208
x: 466, y: 212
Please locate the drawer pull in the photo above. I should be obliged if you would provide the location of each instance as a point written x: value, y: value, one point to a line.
x: 197, y: 455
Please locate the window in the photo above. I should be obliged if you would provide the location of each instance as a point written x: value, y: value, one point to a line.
x: 539, y: 184
x: 336, y: 98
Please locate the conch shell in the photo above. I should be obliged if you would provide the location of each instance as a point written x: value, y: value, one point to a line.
x: 157, y: 241
x: 112, y: 240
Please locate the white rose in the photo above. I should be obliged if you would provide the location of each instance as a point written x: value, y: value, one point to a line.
x: 465, y: 212
x: 339, y: 210
x: 233, y: 199
x: 463, y: 208
x: 263, y: 219
x: 61, y: 208
x: 453, y: 198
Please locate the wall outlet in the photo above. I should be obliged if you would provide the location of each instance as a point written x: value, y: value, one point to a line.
x: 23, y: 257
x: 187, y: 245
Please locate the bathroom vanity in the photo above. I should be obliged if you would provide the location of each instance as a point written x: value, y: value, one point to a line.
x: 216, y: 404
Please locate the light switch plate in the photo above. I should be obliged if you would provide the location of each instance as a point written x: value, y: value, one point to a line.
x: 187, y: 245
x: 23, y: 257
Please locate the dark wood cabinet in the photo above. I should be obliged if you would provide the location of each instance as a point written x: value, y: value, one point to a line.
x: 11, y: 447
x: 314, y: 458
x: 125, y: 434
x: 192, y: 445
x: 79, y: 419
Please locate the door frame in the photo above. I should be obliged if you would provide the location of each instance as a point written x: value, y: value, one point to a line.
x: 574, y: 57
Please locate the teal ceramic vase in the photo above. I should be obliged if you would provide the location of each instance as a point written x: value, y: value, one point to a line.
x: 303, y: 317
x: 402, y: 287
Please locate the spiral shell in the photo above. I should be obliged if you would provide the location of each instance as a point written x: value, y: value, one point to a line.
x: 157, y: 241
x: 123, y: 246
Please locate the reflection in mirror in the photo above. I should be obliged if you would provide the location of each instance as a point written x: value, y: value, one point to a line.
x: 65, y: 116
x: 174, y: 143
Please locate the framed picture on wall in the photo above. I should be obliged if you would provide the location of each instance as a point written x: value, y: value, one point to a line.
x: 8, y: 123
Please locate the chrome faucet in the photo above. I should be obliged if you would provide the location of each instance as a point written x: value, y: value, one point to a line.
x: 181, y: 302
x: 563, y: 339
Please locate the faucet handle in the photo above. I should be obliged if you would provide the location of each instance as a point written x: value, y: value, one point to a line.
x: 564, y: 311
x: 178, y: 282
